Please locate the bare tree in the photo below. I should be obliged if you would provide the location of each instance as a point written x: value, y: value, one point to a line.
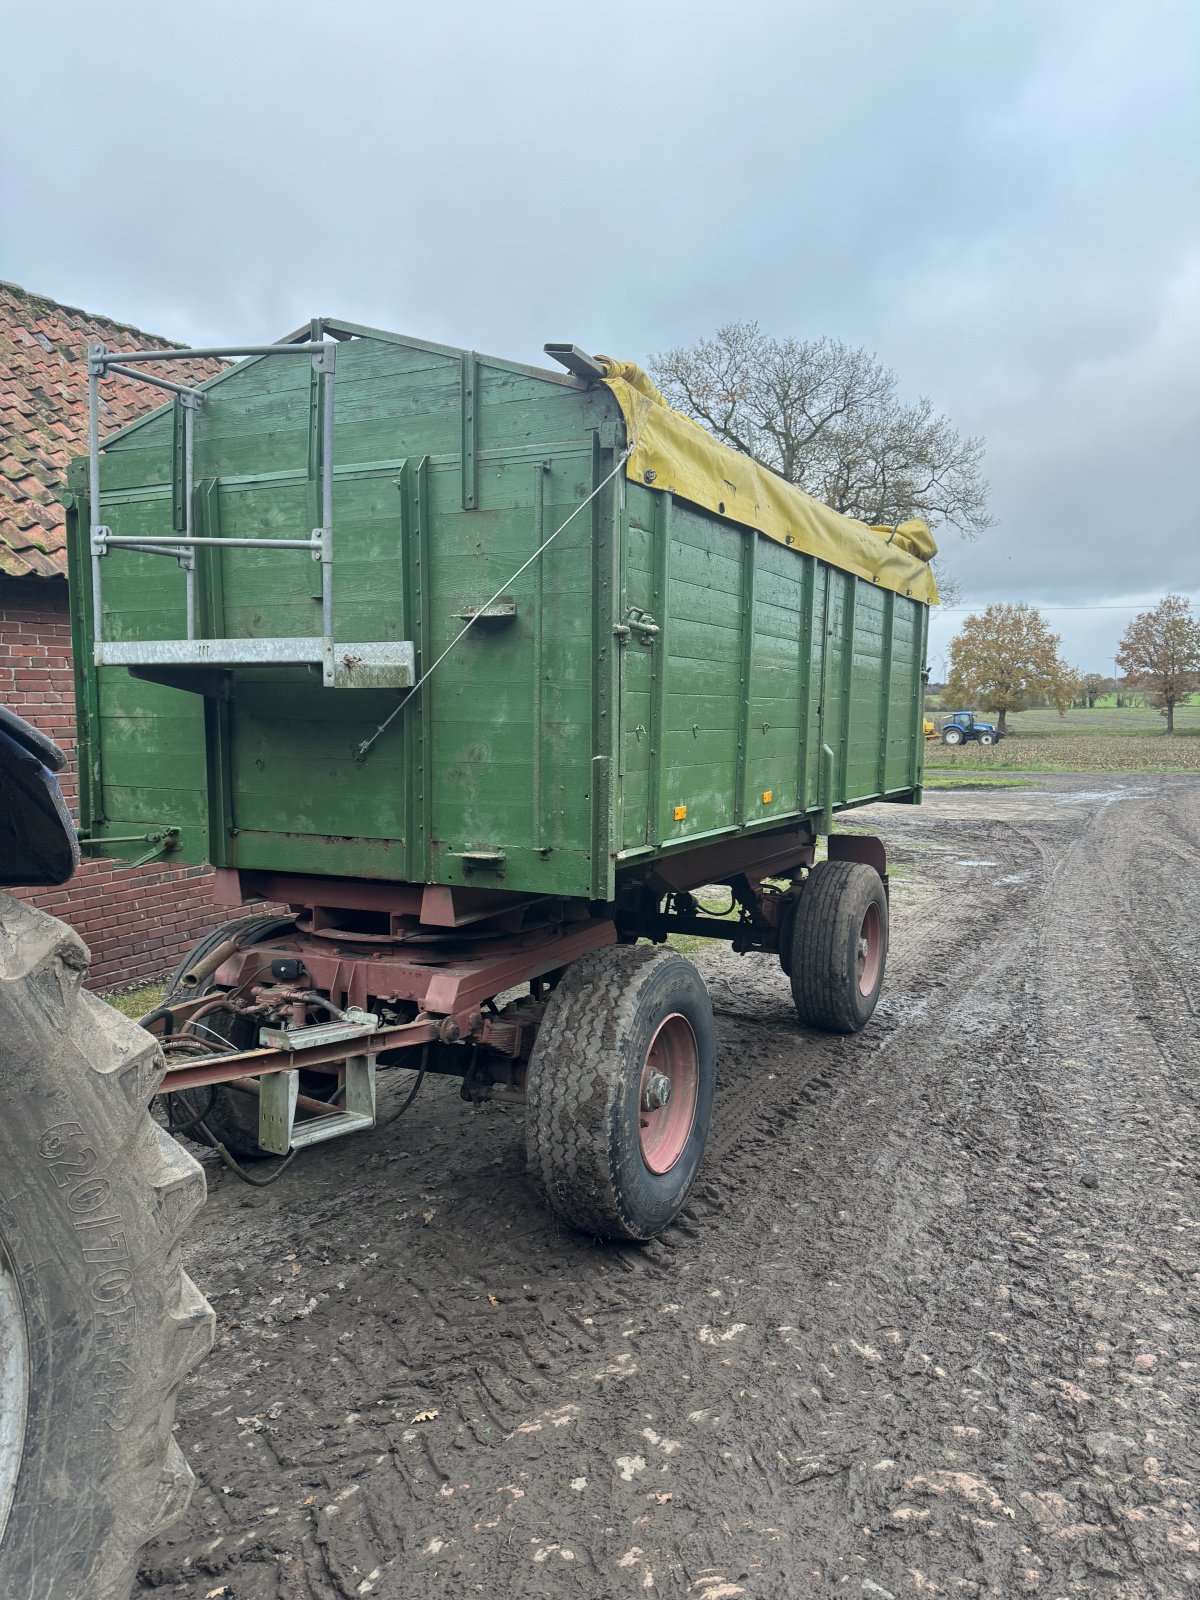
x: 827, y: 417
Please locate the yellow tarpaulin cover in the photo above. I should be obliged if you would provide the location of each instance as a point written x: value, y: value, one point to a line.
x: 671, y: 452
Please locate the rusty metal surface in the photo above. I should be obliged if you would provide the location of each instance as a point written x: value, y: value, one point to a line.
x: 255, y: 1063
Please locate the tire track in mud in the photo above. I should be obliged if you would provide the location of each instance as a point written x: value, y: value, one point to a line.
x: 1079, y: 1229
x: 805, y: 1357
x: 620, y: 1292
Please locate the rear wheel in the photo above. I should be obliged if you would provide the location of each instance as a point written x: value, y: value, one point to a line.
x: 839, y: 946
x: 98, y: 1323
x: 952, y: 735
x: 620, y: 1091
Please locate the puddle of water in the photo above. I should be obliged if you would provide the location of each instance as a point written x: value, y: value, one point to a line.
x: 1101, y: 797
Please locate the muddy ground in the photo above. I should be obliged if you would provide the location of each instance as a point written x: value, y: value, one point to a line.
x: 928, y: 1325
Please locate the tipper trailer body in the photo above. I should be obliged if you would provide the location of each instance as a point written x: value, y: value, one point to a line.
x: 480, y: 670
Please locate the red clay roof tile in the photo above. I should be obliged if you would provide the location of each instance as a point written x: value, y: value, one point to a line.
x: 43, y: 417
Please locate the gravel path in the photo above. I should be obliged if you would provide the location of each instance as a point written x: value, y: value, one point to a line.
x: 928, y: 1325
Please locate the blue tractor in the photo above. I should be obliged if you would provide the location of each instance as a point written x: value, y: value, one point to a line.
x: 963, y: 727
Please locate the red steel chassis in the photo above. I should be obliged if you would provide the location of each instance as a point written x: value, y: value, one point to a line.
x: 444, y: 953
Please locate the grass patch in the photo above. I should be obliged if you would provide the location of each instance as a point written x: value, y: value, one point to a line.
x: 970, y: 780
x: 689, y: 943
x: 135, y: 1003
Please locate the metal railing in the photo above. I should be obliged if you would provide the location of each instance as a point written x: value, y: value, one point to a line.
x: 369, y: 665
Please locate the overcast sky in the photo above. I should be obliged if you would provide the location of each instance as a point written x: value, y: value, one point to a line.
x: 1000, y: 200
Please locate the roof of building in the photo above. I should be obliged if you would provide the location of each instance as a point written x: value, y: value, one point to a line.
x: 43, y: 417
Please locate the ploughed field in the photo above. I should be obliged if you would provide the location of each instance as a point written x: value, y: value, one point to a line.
x: 1104, y: 739
x: 928, y: 1325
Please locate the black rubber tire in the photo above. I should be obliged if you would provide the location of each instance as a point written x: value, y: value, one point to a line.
x: 93, y: 1200
x: 581, y: 1119
x: 952, y: 736
x: 227, y: 1114
x: 230, y: 1115
x: 987, y: 739
x: 825, y: 935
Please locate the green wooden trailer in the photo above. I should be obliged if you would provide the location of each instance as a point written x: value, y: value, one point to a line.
x: 481, y: 670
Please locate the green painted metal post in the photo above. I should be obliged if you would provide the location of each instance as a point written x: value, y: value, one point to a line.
x: 745, y: 671
x: 918, y: 714
x: 87, y: 679
x: 847, y: 689
x: 218, y: 714
x: 468, y: 406
x: 808, y: 605
x: 537, y: 831
x: 885, y: 686
x: 604, y: 678
x: 658, y: 667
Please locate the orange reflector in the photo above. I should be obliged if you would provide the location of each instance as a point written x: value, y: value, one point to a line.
x: 680, y: 813
x: 768, y: 796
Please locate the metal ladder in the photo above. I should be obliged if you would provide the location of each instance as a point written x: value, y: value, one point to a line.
x: 279, y: 1091
x: 390, y: 664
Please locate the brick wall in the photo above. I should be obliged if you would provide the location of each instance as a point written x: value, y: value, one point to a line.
x: 136, y: 923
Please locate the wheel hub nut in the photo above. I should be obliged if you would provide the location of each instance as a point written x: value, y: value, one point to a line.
x: 863, y: 948
x: 657, y: 1092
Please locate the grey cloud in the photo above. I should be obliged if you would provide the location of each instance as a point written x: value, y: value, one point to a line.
x: 999, y: 198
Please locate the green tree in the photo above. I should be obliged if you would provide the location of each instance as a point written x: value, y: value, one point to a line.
x: 1004, y: 656
x: 1161, y: 654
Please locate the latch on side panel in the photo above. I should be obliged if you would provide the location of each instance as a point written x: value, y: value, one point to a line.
x: 637, y: 622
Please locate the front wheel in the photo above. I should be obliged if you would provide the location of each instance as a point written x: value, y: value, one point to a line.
x: 620, y: 1091
x: 839, y: 946
x: 987, y: 738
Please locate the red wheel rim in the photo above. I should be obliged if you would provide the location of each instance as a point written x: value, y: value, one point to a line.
x: 667, y: 1093
x: 869, y: 954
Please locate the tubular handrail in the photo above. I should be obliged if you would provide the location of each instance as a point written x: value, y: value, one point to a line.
x: 181, y: 547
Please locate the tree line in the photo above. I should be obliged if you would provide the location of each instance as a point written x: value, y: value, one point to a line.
x: 1006, y: 658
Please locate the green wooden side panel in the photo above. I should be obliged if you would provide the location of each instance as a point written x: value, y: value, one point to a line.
x: 659, y: 677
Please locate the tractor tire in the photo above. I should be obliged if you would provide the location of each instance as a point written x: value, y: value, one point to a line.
x: 610, y: 1162
x: 839, y: 946
x: 987, y: 738
x: 952, y: 735
x: 98, y: 1322
x: 226, y: 1114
